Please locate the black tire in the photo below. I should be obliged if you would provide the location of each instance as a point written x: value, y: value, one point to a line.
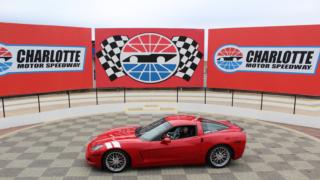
x: 121, y: 156
x: 219, y: 156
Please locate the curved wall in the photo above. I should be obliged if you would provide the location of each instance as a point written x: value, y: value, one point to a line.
x: 277, y: 105
x: 161, y: 108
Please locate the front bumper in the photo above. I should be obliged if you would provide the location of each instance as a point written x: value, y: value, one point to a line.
x: 93, y: 158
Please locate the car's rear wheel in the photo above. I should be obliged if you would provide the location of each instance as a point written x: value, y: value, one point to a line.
x: 115, y: 161
x: 219, y: 156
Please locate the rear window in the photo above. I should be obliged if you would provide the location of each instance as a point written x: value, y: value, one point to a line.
x: 210, y: 126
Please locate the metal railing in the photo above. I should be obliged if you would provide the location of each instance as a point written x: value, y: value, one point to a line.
x: 126, y: 91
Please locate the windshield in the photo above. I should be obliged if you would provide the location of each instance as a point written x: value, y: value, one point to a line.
x: 153, y: 130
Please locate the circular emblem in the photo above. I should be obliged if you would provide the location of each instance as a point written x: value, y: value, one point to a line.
x: 228, y: 59
x: 5, y: 56
x: 149, y: 58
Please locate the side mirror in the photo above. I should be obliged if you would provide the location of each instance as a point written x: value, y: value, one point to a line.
x: 166, y: 140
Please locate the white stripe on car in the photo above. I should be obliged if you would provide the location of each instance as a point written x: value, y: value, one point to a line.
x: 113, y: 144
x: 116, y: 144
x: 108, y: 145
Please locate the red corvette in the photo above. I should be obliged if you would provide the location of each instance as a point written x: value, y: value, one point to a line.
x: 173, y: 140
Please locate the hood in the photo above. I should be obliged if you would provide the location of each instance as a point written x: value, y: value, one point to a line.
x: 117, y: 134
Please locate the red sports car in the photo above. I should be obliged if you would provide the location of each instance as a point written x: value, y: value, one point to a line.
x: 173, y: 140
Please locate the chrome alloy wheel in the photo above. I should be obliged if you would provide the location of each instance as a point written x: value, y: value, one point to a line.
x: 220, y: 156
x: 116, y: 161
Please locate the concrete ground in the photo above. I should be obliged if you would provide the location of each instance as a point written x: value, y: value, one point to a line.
x: 315, y: 132
x: 56, y: 151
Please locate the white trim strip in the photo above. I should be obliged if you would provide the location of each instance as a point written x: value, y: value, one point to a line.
x: 108, y: 145
x: 116, y: 144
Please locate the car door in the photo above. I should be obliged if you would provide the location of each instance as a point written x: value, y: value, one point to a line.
x: 184, y: 150
x: 178, y: 151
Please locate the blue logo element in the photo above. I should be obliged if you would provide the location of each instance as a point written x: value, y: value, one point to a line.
x: 5, y: 66
x: 229, y: 65
x: 150, y: 72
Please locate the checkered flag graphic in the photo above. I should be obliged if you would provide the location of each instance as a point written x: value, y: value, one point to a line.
x: 189, y: 56
x: 109, y: 56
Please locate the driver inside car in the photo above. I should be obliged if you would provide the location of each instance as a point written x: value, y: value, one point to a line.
x: 177, y: 133
x: 184, y: 132
x: 174, y: 134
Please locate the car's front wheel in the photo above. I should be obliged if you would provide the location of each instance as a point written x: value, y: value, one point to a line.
x: 115, y: 161
x: 219, y: 156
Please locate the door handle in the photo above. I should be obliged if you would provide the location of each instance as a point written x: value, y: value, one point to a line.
x: 201, y: 140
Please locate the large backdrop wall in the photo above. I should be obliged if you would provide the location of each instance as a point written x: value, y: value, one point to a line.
x: 41, y: 59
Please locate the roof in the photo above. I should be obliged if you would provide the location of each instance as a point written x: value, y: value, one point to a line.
x: 181, y: 118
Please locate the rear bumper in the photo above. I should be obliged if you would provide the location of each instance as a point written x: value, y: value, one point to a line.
x: 239, y: 147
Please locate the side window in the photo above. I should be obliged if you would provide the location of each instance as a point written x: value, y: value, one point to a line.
x: 181, y: 132
x: 210, y: 126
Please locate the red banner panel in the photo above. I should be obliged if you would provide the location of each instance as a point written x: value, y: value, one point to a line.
x: 272, y: 59
x: 149, y: 58
x: 38, y: 59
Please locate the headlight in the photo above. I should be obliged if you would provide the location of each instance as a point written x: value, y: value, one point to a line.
x: 96, y: 147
